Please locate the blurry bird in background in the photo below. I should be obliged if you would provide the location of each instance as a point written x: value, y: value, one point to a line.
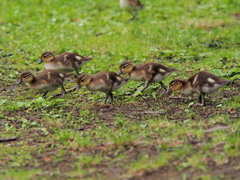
x: 132, y: 6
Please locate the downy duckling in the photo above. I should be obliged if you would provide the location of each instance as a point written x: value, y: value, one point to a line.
x: 47, y: 80
x: 132, y: 6
x: 149, y: 72
x: 201, y: 83
x: 105, y: 81
x: 66, y: 62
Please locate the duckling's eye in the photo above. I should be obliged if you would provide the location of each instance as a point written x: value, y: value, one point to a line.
x: 173, y: 84
x: 26, y: 76
x: 125, y: 66
x: 46, y: 55
x: 83, y: 79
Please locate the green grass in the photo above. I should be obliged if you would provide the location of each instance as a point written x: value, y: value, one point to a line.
x: 77, y: 136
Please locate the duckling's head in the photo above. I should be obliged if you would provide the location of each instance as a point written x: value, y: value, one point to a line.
x: 83, y: 80
x: 46, y: 57
x: 176, y: 85
x: 125, y: 67
x: 26, y: 76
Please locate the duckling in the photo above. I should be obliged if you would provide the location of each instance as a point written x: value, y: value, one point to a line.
x: 105, y: 81
x: 47, y: 80
x: 149, y: 72
x: 66, y: 62
x: 132, y: 6
x: 201, y: 83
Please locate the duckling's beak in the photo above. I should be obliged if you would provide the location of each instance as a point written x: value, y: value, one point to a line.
x: 19, y: 82
x: 40, y: 61
x: 169, y: 91
x: 120, y: 72
x: 78, y: 87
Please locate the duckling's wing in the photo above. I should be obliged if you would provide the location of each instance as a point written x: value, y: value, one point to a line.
x: 69, y: 59
x: 194, y: 80
x: 112, y: 77
x: 52, y: 76
x: 208, y: 78
x: 149, y: 68
x: 158, y: 68
x: 74, y: 58
x: 205, y: 82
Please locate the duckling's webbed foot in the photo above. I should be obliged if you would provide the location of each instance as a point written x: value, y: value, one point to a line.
x: 198, y: 104
x: 163, y: 85
x: 63, y: 93
x: 146, y: 85
x: 111, y: 98
x: 134, y: 15
x: 131, y: 19
x: 107, y: 95
x: 44, y: 94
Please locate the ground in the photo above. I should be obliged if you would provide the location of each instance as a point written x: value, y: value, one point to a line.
x: 148, y: 135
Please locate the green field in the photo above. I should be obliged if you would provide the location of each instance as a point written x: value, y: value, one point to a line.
x: 140, y: 136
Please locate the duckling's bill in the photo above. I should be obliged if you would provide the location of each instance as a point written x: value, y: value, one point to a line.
x: 40, y: 61
x: 169, y: 91
x: 120, y: 72
x: 19, y: 82
x: 78, y: 87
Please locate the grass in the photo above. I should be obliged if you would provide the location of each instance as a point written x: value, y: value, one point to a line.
x: 149, y: 136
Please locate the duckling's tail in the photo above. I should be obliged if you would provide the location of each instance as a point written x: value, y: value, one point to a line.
x: 88, y: 58
x: 173, y: 69
x: 126, y: 79
x: 70, y: 77
x: 140, y: 5
x: 225, y: 82
x: 69, y: 74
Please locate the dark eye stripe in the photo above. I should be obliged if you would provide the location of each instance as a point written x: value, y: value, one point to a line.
x: 46, y: 55
x: 126, y: 66
x: 83, y: 79
x: 26, y: 75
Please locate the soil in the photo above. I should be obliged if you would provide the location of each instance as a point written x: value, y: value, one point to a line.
x: 174, y: 108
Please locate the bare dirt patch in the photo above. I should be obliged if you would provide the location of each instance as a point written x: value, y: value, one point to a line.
x: 175, y: 109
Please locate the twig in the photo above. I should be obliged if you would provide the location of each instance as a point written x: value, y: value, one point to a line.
x: 8, y: 139
x: 67, y: 91
x: 153, y: 112
x: 216, y: 128
x: 177, y: 98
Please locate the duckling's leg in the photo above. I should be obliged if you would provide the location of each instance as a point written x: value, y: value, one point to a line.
x: 134, y: 15
x: 77, y: 70
x: 63, y: 90
x: 146, y: 84
x: 45, y: 93
x: 163, y: 85
x: 201, y: 100
x: 111, y: 97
